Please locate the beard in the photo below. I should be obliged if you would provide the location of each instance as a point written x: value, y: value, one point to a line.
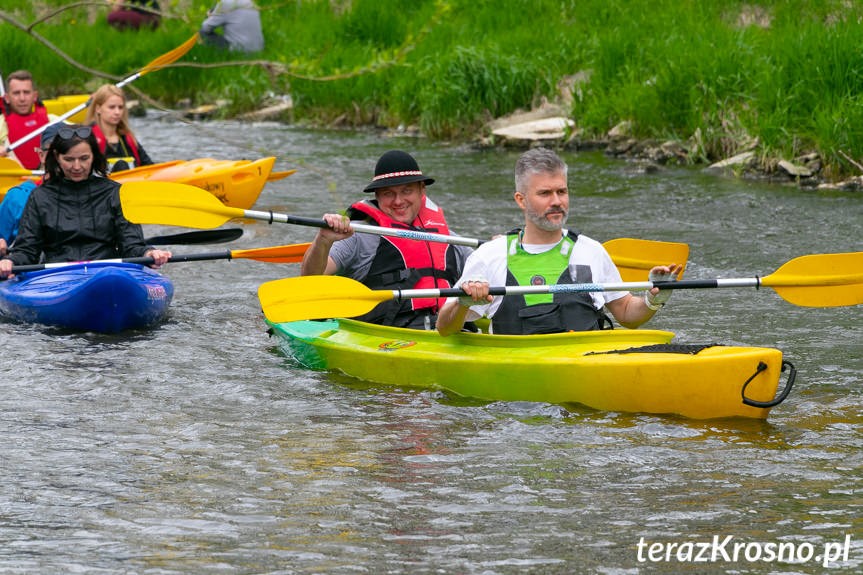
x: 542, y: 221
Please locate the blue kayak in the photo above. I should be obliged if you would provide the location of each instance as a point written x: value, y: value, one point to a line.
x: 99, y: 297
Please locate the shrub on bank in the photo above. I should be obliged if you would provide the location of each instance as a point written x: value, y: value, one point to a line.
x: 783, y: 75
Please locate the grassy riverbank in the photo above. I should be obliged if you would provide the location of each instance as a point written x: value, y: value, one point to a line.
x: 787, y: 75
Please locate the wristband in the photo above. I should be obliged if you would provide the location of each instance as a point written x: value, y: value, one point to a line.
x: 466, y: 301
x: 651, y: 306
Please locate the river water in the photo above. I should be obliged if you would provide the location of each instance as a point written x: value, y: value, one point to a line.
x: 197, y: 447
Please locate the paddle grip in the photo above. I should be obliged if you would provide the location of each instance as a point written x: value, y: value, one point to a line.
x: 312, y: 222
x: 456, y: 292
x: 226, y: 255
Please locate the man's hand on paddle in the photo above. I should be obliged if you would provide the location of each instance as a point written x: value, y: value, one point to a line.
x: 476, y: 291
x: 656, y: 298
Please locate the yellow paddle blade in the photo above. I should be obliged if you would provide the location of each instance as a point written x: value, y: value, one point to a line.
x: 278, y: 255
x: 171, y: 56
x: 173, y: 204
x: 634, y: 258
x: 820, y: 280
x: 317, y: 297
x: 279, y: 175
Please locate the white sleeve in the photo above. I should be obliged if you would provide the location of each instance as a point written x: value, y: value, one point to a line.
x: 602, y: 268
x: 354, y: 255
x: 607, y: 273
x: 487, y: 261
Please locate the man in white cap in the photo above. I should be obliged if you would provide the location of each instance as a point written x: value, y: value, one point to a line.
x: 382, y: 262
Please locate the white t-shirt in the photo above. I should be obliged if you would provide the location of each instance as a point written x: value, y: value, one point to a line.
x: 489, y: 262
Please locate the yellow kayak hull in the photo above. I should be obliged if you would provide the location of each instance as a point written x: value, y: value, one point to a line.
x: 569, y: 368
x: 61, y: 105
x: 236, y: 183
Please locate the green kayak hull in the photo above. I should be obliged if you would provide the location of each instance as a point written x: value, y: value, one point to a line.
x: 615, y: 370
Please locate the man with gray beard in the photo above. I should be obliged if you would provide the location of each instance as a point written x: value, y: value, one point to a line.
x: 544, y: 252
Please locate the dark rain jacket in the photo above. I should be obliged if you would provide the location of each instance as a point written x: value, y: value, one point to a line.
x: 76, y: 221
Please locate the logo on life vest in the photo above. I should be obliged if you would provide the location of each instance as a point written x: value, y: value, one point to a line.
x: 537, y: 280
x: 395, y: 345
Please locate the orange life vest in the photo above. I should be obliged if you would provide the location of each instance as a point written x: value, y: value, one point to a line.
x: 407, y: 263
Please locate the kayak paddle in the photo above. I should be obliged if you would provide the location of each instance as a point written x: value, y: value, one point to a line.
x: 280, y: 254
x: 201, y: 237
x: 634, y: 258
x: 823, y: 280
x: 156, y: 64
x: 169, y: 203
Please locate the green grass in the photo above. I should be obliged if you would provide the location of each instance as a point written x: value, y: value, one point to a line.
x: 788, y: 73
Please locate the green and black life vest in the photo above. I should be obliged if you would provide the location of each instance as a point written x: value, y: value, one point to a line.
x: 546, y: 313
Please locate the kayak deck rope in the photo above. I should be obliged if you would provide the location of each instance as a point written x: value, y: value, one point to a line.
x: 690, y: 348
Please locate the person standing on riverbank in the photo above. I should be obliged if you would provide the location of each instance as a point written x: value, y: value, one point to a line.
x: 382, y: 262
x: 240, y: 22
x: 542, y: 253
x: 23, y: 113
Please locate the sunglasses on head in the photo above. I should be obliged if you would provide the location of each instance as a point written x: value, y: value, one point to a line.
x: 82, y: 132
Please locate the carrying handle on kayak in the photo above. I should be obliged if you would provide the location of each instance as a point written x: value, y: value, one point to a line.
x: 781, y: 397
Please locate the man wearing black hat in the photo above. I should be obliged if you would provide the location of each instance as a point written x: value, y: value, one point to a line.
x: 16, y: 197
x: 382, y: 262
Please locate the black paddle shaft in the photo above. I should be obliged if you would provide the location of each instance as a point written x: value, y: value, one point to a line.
x: 143, y: 260
x: 197, y: 237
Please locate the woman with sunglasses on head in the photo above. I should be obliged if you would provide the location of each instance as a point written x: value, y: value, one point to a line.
x: 76, y: 215
x: 109, y: 118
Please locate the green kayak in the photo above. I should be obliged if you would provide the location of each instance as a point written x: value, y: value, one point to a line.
x: 615, y: 370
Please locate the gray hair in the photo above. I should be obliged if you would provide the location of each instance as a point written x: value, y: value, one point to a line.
x: 537, y: 161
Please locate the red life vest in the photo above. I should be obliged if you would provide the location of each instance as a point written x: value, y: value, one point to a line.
x: 429, y: 259
x: 130, y: 142
x: 19, y: 126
